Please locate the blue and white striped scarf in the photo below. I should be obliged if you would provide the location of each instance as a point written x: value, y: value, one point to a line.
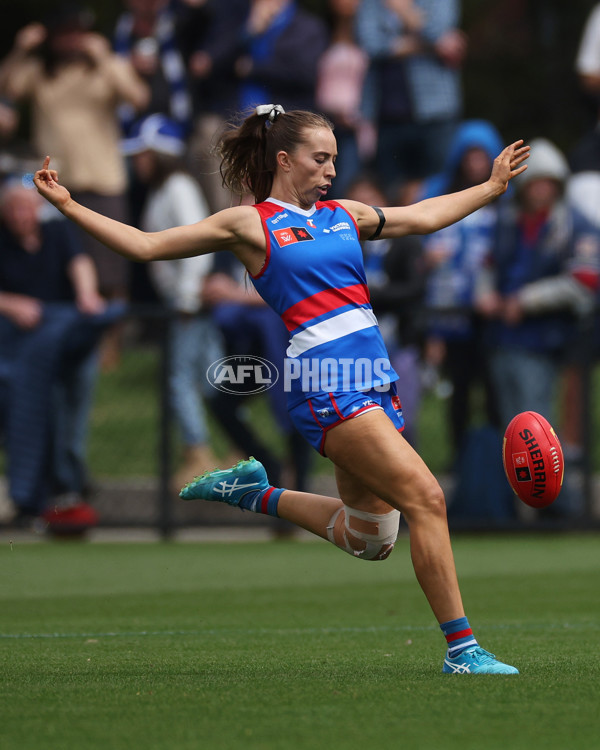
x: 172, y: 65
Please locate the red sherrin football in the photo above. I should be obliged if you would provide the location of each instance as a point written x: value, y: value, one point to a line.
x: 533, y: 459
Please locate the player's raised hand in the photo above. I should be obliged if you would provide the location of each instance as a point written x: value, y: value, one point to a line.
x: 46, y: 181
x: 509, y: 164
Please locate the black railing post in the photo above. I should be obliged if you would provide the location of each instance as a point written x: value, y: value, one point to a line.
x: 165, y: 510
x: 587, y: 431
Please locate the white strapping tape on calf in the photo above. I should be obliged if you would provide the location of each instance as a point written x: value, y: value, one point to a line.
x: 370, y: 536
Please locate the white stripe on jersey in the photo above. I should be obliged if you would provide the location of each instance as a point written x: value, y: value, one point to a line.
x: 331, y: 329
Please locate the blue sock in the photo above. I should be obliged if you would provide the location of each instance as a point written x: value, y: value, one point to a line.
x: 262, y: 501
x: 458, y: 635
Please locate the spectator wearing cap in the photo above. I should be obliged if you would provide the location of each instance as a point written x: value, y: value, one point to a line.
x: 174, y: 198
x: 75, y: 84
x: 544, y: 272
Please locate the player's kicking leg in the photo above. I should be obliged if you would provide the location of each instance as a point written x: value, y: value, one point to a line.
x: 365, y: 525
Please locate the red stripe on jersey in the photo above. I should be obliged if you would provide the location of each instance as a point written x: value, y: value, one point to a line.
x: 323, y: 302
x: 265, y: 500
x: 264, y: 213
x: 459, y: 634
x: 267, y: 209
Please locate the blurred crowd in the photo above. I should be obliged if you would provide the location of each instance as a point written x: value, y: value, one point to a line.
x: 495, y: 313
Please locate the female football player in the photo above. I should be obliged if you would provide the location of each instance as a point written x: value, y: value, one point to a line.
x: 304, y: 256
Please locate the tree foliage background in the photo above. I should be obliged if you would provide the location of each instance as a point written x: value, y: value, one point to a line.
x: 519, y: 72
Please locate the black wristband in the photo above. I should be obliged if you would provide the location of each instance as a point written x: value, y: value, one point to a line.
x: 380, y: 226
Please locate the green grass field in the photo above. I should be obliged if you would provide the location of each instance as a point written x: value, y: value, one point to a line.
x: 292, y: 645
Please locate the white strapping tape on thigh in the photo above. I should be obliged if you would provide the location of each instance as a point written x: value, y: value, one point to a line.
x: 370, y: 536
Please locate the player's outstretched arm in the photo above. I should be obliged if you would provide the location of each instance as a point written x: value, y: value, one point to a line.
x: 219, y: 232
x: 436, y: 213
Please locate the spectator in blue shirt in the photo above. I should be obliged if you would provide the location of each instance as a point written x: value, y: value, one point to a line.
x: 414, y: 88
x: 455, y: 256
x: 280, y: 47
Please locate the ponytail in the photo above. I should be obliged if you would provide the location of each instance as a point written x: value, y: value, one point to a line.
x: 249, y: 151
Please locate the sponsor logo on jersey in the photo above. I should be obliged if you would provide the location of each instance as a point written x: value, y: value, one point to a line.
x: 311, y: 223
x: 277, y: 219
x: 339, y: 226
x: 293, y: 234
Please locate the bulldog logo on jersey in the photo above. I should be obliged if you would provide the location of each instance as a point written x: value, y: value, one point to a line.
x: 293, y: 234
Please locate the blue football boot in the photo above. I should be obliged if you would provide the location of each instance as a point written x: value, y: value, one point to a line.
x: 228, y: 485
x: 476, y: 660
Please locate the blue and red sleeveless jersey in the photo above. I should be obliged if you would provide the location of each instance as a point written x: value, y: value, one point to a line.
x: 314, y: 278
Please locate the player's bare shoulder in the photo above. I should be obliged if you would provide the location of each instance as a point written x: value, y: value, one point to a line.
x: 238, y: 225
x: 365, y: 216
x: 245, y: 235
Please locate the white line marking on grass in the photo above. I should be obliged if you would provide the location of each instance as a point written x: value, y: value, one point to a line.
x: 293, y: 631
x: 219, y: 631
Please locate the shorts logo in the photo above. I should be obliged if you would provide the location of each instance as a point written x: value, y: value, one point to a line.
x: 521, y: 466
x: 293, y: 234
x: 324, y: 412
x: 396, y: 403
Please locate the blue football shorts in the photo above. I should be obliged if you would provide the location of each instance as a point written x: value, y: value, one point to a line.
x: 322, y: 411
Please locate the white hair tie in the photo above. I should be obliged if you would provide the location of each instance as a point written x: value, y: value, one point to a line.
x: 273, y: 110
